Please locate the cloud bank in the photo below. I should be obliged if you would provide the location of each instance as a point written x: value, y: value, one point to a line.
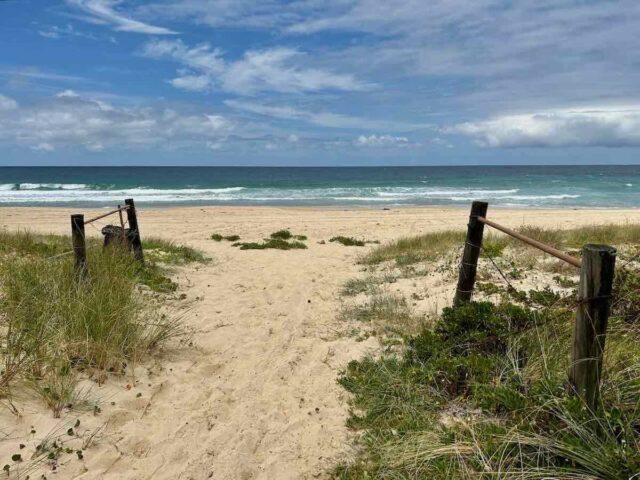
x: 69, y: 120
x: 593, y: 127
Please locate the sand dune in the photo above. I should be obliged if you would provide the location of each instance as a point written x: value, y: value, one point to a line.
x: 255, y: 395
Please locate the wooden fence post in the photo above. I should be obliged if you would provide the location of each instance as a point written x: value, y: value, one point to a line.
x: 589, y: 333
x: 469, y: 264
x: 134, y: 229
x: 79, y: 245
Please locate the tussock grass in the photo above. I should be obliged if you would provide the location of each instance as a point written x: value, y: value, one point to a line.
x: 483, y: 393
x: 25, y: 242
x: 53, y: 326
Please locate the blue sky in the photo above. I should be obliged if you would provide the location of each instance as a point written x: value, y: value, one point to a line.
x: 319, y: 82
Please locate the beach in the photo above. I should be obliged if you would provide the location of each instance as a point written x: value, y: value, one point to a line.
x: 253, y: 394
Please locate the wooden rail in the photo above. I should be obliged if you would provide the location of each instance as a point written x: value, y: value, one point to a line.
x: 534, y: 243
x: 118, y: 210
x: 594, y: 298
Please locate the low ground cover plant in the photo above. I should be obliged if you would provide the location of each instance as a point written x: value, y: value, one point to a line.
x: 280, y: 240
x: 483, y: 391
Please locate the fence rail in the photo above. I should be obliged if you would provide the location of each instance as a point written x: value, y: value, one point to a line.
x: 117, y: 210
x: 594, y: 294
x: 534, y: 243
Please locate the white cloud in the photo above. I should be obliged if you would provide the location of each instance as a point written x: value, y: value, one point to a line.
x: 103, y: 12
x: 606, y: 127
x: 67, y: 94
x: 7, y: 103
x: 74, y: 121
x: 194, y: 83
x: 382, y: 141
x: 272, y: 70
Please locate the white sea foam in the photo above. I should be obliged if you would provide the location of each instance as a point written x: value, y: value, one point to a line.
x: 51, y: 186
x: 60, y: 193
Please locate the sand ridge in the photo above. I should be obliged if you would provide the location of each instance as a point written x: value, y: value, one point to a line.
x: 255, y: 396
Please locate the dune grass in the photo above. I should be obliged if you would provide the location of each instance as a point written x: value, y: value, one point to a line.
x: 432, y: 245
x: 483, y: 393
x: 53, y: 326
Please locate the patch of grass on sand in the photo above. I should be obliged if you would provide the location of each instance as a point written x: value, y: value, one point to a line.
x: 275, y: 243
x: 52, y: 325
x: 280, y: 240
x: 368, y: 285
x: 170, y: 253
x: 387, y: 307
x: 287, y: 235
x: 415, y: 249
x: 482, y: 393
x: 230, y: 238
x: 348, y: 241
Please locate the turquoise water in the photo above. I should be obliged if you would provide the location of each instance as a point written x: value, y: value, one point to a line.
x: 531, y: 186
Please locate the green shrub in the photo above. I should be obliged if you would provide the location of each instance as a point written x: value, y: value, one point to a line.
x: 282, y: 235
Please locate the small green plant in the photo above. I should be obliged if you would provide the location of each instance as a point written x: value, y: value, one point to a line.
x: 348, y: 241
x: 230, y: 238
x: 493, y: 247
x: 275, y: 243
x: 282, y: 235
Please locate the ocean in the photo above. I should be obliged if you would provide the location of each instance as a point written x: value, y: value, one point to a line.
x: 509, y: 186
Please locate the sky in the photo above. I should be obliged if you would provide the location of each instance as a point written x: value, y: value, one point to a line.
x: 319, y: 82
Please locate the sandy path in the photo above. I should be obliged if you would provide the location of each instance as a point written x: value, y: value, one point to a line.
x: 255, y: 397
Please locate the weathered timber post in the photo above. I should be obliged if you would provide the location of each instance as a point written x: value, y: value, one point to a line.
x: 469, y: 264
x: 134, y: 230
x: 79, y: 245
x: 589, y: 333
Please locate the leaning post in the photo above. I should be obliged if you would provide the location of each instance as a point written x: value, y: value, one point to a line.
x: 590, y: 329
x: 79, y: 245
x: 134, y: 230
x: 469, y: 264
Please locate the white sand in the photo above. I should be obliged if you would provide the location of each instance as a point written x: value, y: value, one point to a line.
x: 256, y: 396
